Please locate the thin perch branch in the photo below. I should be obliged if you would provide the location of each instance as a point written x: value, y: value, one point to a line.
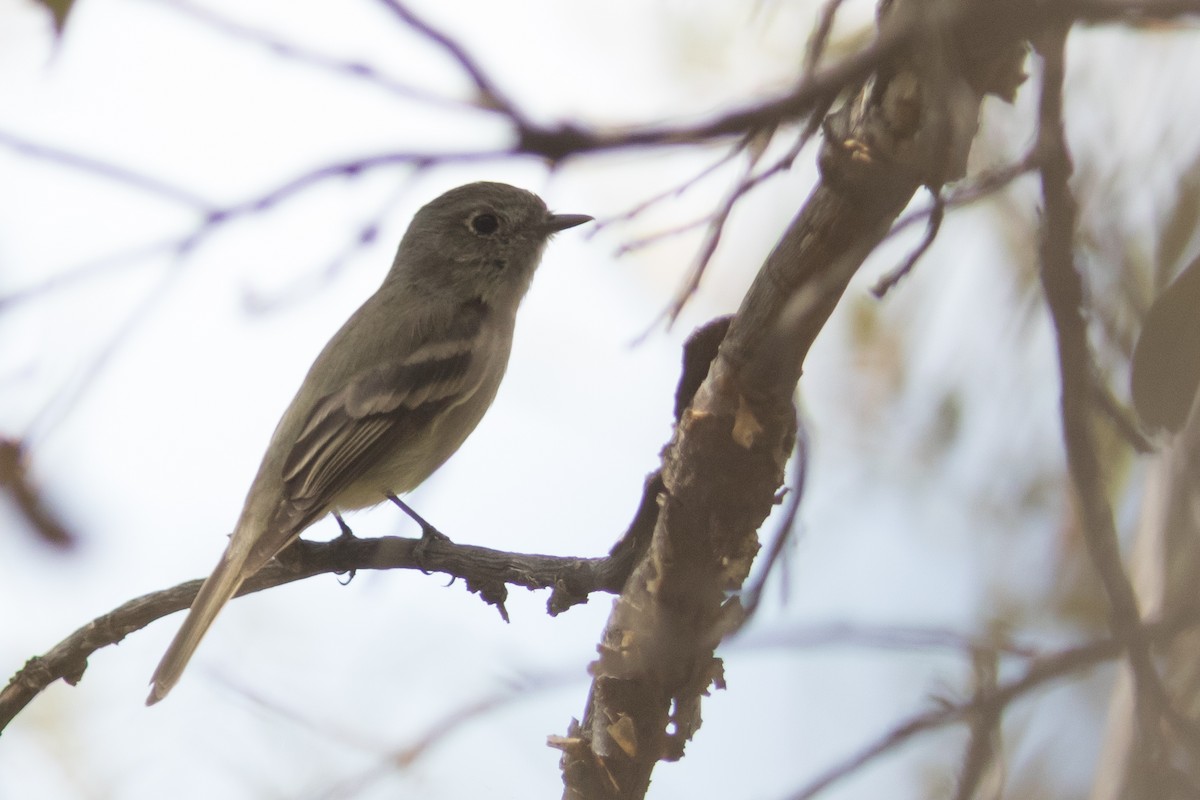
x: 485, y: 571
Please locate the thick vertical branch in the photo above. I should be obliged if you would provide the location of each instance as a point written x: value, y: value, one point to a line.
x: 720, y: 474
x: 1064, y: 294
x: 726, y: 459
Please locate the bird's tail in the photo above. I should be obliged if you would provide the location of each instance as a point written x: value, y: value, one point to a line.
x: 216, y: 591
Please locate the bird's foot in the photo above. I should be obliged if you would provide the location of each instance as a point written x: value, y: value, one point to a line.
x: 429, y: 534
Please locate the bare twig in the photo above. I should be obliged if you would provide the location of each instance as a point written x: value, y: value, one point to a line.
x: 810, y: 95
x: 716, y: 227
x: 490, y: 95
x: 748, y: 182
x: 107, y: 170
x: 1040, y: 672
x: 311, y: 282
x: 887, y: 637
x: 673, y: 192
x: 1063, y: 288
x: 976, y: 189
x: 366, y: 235
x: 17, y: 484
x: 440, y: 730
x: 937, y: 213
x: 90, y: 270
x: 351, y: 168
x: 663, y: 234
x: 404, y: 757
x: 70, y: 394
x: 820, y: 36
x: 980, y: 759
x: 354, y: 70
x: 217, y: 216
x: 712, y: 238
x: 817, y: 44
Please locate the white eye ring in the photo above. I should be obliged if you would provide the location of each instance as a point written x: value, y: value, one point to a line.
x: 484, y: 223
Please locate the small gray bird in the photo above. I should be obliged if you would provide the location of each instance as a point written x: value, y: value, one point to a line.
x: 396, y: 391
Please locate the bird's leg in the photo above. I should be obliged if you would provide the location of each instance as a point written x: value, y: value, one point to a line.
x: 343, y: 536
x: 346, y: 532
x: 429, y: 534
x: 427, y: 529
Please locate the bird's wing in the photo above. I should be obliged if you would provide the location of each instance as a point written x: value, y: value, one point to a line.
x: 345, y: 434
x: 350, y: 430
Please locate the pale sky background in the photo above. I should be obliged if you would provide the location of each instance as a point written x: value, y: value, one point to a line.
x: 300, y: 692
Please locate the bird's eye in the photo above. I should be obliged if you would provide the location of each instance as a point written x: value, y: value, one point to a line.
x: 484, y: 224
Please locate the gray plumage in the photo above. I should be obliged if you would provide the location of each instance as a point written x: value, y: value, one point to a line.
x: 396, y: 391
